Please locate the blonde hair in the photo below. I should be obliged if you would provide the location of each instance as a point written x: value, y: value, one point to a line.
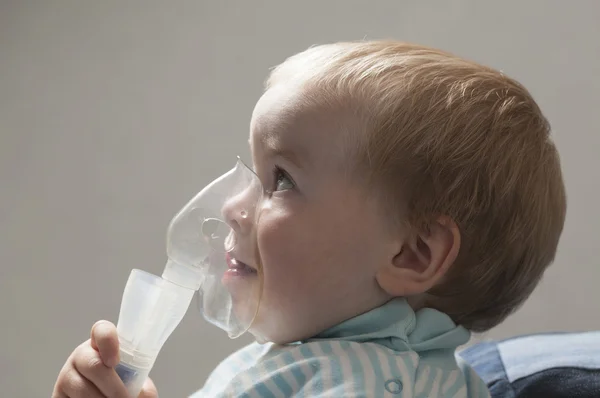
x: 447, y: 136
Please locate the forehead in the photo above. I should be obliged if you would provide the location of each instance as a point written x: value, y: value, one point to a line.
x: 287, y: 118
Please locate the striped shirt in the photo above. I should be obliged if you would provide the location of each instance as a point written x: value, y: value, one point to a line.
x: 390, y: 351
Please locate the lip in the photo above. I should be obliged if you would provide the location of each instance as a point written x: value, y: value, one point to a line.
x: 234, y: 264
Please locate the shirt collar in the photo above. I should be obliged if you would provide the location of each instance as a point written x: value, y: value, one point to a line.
x: 395, y: 325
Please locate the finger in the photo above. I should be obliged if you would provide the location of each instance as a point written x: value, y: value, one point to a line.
x: 74, y: 385
x: 89, y: 364
x: 60, y: 381
x: 149, y: 390
x: 58, y: 393
x: 106, y: 342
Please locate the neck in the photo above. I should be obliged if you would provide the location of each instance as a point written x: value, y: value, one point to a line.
x: 416, y: 302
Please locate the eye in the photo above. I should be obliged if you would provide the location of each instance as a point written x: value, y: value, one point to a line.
x: 283, y: 182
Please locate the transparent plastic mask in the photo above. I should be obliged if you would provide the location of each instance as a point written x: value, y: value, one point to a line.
x: 212, y: 238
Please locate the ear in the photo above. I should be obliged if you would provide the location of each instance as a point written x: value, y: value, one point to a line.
x: 422, y: 260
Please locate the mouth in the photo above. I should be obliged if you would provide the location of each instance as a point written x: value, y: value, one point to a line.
x: 238, y: 268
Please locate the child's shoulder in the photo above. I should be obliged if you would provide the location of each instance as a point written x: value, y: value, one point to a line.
x: 330, y: 368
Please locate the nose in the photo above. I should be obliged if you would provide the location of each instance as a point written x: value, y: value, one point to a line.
x: 239, y: 211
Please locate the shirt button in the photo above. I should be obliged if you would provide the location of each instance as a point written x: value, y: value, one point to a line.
x: 394, y: 386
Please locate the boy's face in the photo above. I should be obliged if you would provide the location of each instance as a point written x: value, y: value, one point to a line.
x: 319, y: 234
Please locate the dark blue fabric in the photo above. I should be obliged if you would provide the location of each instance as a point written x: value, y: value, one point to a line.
x: 562, y: 365
x: 559, y: 383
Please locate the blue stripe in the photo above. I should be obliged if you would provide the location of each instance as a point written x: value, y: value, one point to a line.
x: 296, y: 372
x: 278, y: 379
x: 394, y: 367
x: 376, y: 365
x: 429, y: 384
x: 249, y: 357
x: 263, y: 391
x: 456, y: 386
x: 316, y: 374
x: 358, y: 373
x: 409, y: 365
x: 337, y: 377
x: 326, y: 347
x: 306, y: 351
x: 410, y: 376
x: 246, y: 356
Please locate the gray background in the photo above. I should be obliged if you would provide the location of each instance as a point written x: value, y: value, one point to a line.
x: 113, y: 114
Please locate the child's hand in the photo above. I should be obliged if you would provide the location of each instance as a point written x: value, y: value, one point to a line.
x: 89, y: 372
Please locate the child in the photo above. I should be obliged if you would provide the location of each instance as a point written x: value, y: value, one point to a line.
x: 411, y: 197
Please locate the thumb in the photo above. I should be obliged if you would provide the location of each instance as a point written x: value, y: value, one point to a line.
x: 149, y: 390
x: 104, y: 339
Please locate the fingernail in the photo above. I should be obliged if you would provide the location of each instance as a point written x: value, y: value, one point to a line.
x: 97, y: 324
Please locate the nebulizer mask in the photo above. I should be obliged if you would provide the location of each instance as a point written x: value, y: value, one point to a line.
x: 202, y: 240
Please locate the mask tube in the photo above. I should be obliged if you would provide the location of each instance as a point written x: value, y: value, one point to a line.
x: 205, y: 241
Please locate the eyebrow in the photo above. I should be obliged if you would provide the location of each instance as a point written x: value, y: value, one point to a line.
x: 277, y: 150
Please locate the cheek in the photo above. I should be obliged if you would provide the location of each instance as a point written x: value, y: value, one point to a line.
x: 321, y: 247
x: 292, y: 249
x: 283, y: 241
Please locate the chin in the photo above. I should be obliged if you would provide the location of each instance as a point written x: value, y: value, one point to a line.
x: 283, y: 322
x: 263, y: 338
x: 267, y: 329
